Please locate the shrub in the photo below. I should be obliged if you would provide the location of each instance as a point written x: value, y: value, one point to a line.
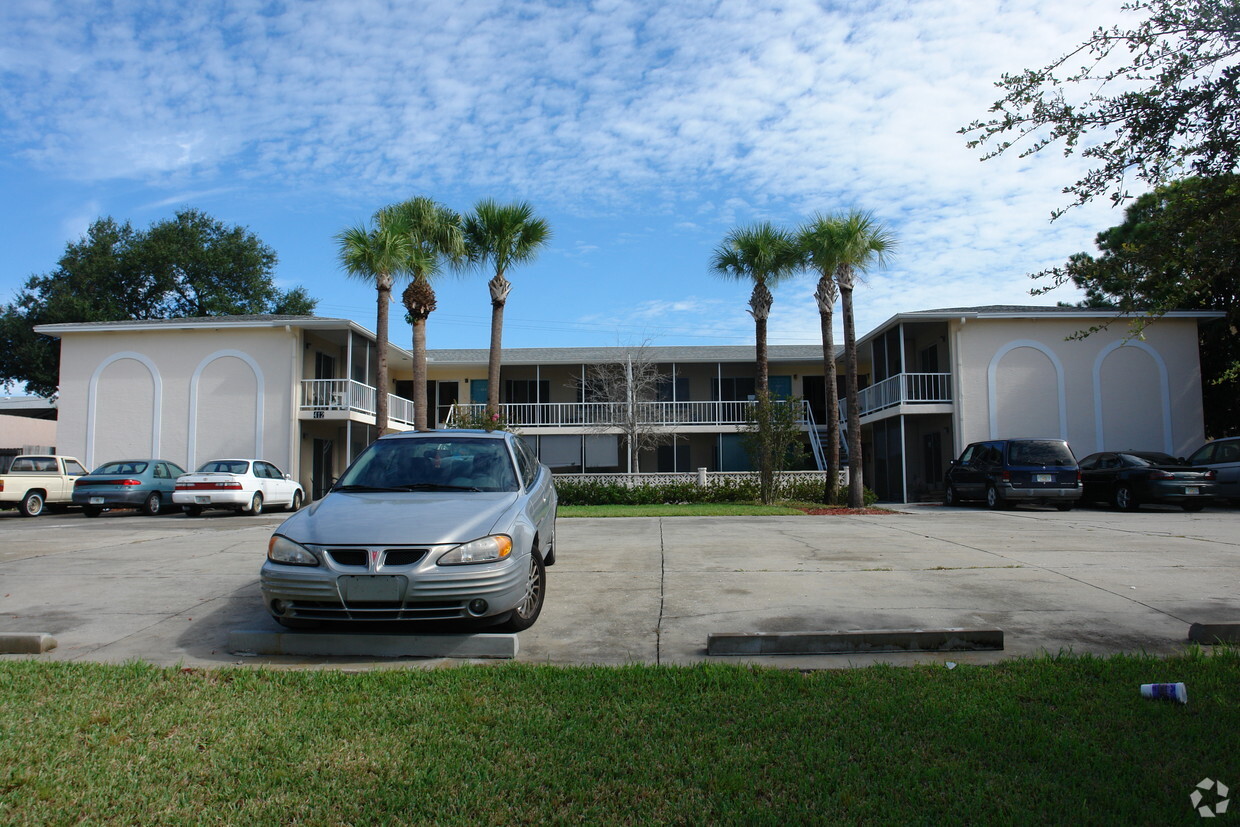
x: 723, y: 490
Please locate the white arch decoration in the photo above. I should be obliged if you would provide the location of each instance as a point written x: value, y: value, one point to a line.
x: 1164, y: 388
x: 993, y: 369
x: 92, y: 400
x: 193, y: 401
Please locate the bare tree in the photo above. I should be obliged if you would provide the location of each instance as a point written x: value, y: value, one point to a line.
x: 623, y: 391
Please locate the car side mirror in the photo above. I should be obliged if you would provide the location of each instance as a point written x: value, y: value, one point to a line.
x: 288, y: 477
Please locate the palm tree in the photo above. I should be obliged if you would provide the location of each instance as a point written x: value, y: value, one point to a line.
x: 819, y: 245
x: 861, y: 242
x: 433, y: 235
x: 764, y: 254
x: 503, y: 235
x: 376, y: 255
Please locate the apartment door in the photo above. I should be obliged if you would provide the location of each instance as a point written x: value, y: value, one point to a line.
x: 321, y: 468
x: 446, y: 395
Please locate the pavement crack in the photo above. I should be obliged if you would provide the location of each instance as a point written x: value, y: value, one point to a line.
x: 658, y: 629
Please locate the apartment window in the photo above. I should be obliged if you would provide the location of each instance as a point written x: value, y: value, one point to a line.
x: 732, y: 389
x: 524, y: 391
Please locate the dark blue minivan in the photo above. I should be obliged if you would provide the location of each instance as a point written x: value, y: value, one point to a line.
x: 1003, y: 471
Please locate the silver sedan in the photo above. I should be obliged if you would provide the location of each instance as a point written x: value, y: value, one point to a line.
x: 432, y: 525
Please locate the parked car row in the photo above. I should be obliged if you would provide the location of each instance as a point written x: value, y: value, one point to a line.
x: 153, y: 485
x: 1006, y: 471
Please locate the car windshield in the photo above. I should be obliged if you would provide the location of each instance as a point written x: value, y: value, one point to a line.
x: 428, y: 464
x: 223, y: 467
x: 1039, y: 452
x: 121, y: 468
x: 1150, y: 458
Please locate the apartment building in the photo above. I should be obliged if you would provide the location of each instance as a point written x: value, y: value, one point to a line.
x: 300, y: 392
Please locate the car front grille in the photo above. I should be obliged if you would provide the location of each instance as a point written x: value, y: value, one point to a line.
x: 359, y: 557
x: 359, y: 610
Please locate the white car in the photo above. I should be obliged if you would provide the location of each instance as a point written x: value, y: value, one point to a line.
x: 244, y: 485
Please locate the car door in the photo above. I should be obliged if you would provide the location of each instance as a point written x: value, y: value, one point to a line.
x: 73, y: 470
x: 276, y: 489
x: 963, y: 473
x: 1093, y: 486
x: 537, y: 480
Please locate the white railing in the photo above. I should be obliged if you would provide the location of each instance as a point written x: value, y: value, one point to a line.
x: 595, y: 414
x: 348, y: 395
x: 916, y: 388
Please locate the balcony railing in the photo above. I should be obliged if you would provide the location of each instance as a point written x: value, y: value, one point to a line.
x: 348, y: 395
x: 615, y: 414
x: 906, y: 388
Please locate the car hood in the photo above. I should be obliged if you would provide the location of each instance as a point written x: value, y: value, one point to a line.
x: 405, y: 518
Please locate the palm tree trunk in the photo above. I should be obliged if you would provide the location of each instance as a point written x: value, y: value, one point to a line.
x: 500, y: 288
x: 855, y: 496
x: 381, y: 378
x: 833, y: 409
x: 420, y: 403
x: 760, y: 308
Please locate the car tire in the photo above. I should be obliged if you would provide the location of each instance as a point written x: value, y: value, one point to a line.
x: 993, y: 501
x: 92, y: 510
x: 296, y: 504
x: 527, y: 611
x: 951, y: 496
x: 256, y: 505
x: 1124, y: 499
x: 193, y: 510
x: 153, y: 505
x: 31, y: 505
x: 1192, y: 507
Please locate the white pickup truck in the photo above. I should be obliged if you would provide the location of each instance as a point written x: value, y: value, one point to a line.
x: 34, y: 481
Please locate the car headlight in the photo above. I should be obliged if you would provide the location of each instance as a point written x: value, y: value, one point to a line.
x: 486, y: 550
x: 283, y: 550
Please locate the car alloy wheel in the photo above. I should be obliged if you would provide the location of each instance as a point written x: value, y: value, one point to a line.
x: 527, y: 611
x: 153, y: 504
x: 31, y: 505
x: 296, y: 504
x: 993, y: 500
x: 1124, y: 500
x: 951, y: 497
x: 256, y: 505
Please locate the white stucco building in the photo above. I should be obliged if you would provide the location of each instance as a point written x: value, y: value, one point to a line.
x: 300, y: 392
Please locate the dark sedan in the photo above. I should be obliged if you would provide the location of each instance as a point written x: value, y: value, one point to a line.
x: 1126, y: 479
x: 131, y: 483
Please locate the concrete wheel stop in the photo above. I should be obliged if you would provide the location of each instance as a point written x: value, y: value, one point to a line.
x: 1208, y: 634
x: 26, y: 643
x: 854, y: 642
x: 326, y: 644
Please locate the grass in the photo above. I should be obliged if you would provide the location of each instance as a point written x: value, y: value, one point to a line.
x: 1062, y: 740
x: 686, y: 510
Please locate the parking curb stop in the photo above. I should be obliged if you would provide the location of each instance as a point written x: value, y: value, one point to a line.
x: 252, y: 643
x: 26, y: 643
x: 854, y: 642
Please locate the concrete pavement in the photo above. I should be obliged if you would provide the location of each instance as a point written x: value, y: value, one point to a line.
x: 170, y: 590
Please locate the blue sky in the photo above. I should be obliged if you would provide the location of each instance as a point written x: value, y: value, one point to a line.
x: 642, y: 131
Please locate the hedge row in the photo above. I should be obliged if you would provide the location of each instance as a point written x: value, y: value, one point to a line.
x: 723, y: 490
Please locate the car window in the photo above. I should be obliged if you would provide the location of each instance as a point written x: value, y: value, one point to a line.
x: 1109, y: 461
x: 1148, y: 458
x: 35, y: 464
x: 526, y: 460
x: 224, y: 467
x: 74, y: 468
x: 1089, y: 463
x: 1227, y: 452
x: 458, y: 462
x: 1039, y: 452
x: 274, y: 472
x: 174, y: 469
x: 1202, y: 455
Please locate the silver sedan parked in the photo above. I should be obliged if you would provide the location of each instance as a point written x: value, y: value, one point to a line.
x: 431, y: 525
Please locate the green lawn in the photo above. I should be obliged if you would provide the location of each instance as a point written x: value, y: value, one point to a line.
x: 1057, y: 740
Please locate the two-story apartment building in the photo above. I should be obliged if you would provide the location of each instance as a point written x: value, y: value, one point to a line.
x: 300, y: 392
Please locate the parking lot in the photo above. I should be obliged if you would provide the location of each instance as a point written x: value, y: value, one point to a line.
x: 170, y: 589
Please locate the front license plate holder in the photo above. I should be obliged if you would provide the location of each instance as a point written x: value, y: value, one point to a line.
x: 1043, y: 477
x: 372, y: 588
